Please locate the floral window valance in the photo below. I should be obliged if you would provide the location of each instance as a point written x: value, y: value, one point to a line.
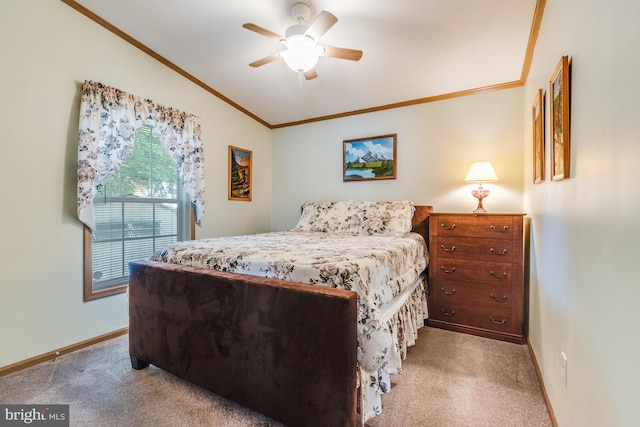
x: 109, y: 120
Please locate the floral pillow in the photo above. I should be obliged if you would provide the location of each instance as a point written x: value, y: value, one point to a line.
x: 356, y: 217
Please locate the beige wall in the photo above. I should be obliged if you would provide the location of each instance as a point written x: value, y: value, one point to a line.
x: 437, y: 142
x: 584, y: 284
x: 47, y: 50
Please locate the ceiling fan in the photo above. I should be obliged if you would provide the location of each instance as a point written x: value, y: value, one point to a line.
x: 302, y: 50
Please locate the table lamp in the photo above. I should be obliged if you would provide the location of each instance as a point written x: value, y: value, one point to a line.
x: 481, y: 172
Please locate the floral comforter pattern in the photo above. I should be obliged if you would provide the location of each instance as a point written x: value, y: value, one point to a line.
x: 377, y: 267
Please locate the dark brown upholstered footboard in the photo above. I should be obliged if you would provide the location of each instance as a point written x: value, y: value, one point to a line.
x: 284, y: 349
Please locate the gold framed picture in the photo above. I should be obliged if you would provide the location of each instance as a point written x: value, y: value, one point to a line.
x: 240, y: 174
x: 537, y: 115
x: 559, y: 103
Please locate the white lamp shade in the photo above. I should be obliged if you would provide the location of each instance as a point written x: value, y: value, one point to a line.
x: 481, y: 172
x: 302, y: 53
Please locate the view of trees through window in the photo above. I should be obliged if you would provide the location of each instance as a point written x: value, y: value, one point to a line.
x: 140, y: 209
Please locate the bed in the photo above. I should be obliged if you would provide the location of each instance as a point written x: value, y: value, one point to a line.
x: 237, y: 315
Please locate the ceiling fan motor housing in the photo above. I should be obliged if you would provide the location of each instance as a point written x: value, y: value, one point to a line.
x: 300, y: 11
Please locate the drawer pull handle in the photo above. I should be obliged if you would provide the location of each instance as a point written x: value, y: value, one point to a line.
x: 498, y: 276
x: 493, y: 251
x: 451, y: 249
x: 501, y: 322
x: 503, y: 229
x: 453, y: 291
x: 446, y: 313
x: 444, y: 226
x: 453, y: 269
x: 503, y: 299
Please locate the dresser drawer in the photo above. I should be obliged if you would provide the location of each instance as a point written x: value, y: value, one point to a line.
x: 495, y: 250
x: 495, y: 321
x: 464, y: 293
x: 489, y: 226
x: 494, y: 273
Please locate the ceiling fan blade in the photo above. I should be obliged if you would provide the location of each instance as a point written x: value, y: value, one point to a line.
x: 311, y: 74
x: 321, y: 25
x: 342, y: 53
x: 266, y: 60
x: 263, y: 32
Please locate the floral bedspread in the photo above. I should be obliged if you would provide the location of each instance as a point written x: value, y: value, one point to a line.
x: 377, y: 267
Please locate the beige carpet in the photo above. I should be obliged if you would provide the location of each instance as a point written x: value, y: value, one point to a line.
x: 454, y: 380
x: 449, y: 379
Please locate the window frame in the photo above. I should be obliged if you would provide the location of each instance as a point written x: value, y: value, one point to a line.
x: 89, y: 291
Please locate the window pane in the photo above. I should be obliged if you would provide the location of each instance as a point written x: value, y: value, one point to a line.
x: 139, y: 210
x: 108, y: 262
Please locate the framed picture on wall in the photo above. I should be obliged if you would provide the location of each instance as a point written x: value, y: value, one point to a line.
x: 560, y: 128
x: 369, y: 158
x: 240, y: 174
x: 537, y: 114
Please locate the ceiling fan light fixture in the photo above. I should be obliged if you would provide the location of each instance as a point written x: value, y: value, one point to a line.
x: 302, y: 53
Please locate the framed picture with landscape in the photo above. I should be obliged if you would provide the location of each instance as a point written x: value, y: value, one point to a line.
x: 560, y: 137
x: 239, y: 174
x: 369, y: 158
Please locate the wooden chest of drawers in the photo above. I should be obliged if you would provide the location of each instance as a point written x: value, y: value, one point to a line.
x: 476, y: 264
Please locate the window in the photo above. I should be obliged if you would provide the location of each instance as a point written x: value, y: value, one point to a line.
x: 137, y: 211
x: 130, y: 197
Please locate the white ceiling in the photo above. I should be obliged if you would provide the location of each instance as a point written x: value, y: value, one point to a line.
x: 412, y: 49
